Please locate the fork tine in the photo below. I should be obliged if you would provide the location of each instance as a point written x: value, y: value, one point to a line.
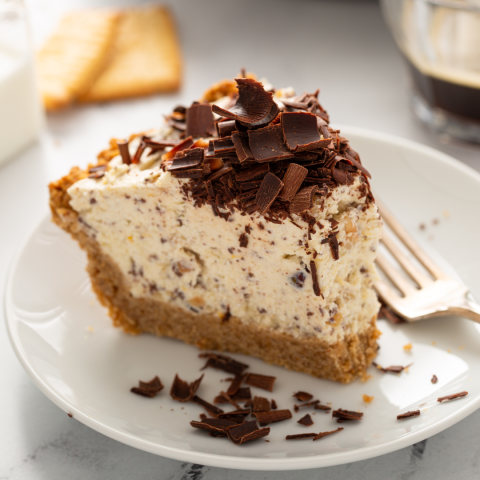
x: 409, y: 242
x: 395, y: 276
x: 386, y: 293
x: 421, y: 279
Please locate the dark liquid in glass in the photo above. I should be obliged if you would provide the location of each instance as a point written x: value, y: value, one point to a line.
x: 456, y: 99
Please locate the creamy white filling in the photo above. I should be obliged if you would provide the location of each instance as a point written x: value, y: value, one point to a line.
x: 171, y: 250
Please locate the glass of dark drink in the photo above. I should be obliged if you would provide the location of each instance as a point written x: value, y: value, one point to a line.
x: 440, y: 41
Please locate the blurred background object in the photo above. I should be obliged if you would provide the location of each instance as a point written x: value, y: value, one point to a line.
x: 102, y: 54
x: 20, y: 113
x: 440, y: 41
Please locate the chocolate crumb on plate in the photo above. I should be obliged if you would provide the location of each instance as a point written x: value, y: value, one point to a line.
x: 322, y: 407
x: 183, y: 391
x: 210, y: 409
x: 392, y: 368
x: 434, y: 379
x: 236, y: 384
x: 217, y: 425
x: 403, y: 416
x: 308, y: 404
x: 452, y: 397
x: 390, y: 315
x: 260, y: 404
x: 273, y: 404
x: 260, y: 381
x: 229, y: 399
x: 223, y: 362
x: 306, y: 420
x: 325, y: 434
x: 346, y: 415
x: 300, y: 436
x: 246, y: 432
x: 148, y: 389
x: 264, y: 418
x: 303, y: 396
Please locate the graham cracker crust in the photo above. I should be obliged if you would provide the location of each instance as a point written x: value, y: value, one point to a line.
x: 342, y: 362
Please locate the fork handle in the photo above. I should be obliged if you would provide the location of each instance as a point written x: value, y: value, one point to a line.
x: 467, y: 308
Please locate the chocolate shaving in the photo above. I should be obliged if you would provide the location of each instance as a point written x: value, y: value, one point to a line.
x: 390, y: 315
x: 292, y: 180
x: 229, y: 399
x: 260, y: 404
x: 242, y: 395
x: 235, y: 385
x: 325, y: 434
x: 300, y: 131
x: 252, y: 173
x: 316, y: 286
x: 434, y: 379
x: 264, y: 418
x: 322, y: 407
x: 199, y: 120
x: 148, y: 389
x: 141, y: 147
x: 333, y: 242
x: 346, y: 415
x: 303, y: 396
x: 235, y: 414
x: 260, y: 381
x: 222, y: 362
x: 306, y: 420
x: 243, y: 239
x: 242, y: 148
x: 183, y: 391
x: 210, y: 409
x: 183, y: 145
x: 273, y: 404
x: 253, y: 103
x: 223, y: 146
x: 267, y: 145
x: 246, y: 432
x: 392, y: 368
x: 402, y: 416
x: 225, y: 128
x: 300, y: 436
x: 124, y: 152
x: 215, y: 425
x: 188, y: 159
x: 308, y: 404
x: 452, y: 397
x: 269, y: 189
x: 303, y: 200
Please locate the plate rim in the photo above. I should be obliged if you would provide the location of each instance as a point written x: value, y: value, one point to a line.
x: 234, y: 462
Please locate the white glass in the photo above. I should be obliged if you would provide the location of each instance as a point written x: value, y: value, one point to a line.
x: 20, y: 112
x: 440, y: 41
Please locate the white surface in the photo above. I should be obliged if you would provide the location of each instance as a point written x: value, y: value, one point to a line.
x: 65, y: 341
x: 363, y: 83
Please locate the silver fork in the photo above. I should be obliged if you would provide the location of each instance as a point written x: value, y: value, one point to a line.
x: 439, y: 295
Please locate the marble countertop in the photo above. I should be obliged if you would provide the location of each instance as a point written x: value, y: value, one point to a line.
x: 342, y: 46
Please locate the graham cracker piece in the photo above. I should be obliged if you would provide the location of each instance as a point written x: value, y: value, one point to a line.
x: 146, y: 57
x: 74, y: 55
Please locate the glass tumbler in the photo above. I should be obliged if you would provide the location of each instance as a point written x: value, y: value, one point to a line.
x: 20, y: 112
x: 440, y: 41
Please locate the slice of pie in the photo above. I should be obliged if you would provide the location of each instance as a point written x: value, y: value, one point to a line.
x: 243, y: 225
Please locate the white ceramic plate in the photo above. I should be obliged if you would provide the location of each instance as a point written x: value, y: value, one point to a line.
x: 66, y: 343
